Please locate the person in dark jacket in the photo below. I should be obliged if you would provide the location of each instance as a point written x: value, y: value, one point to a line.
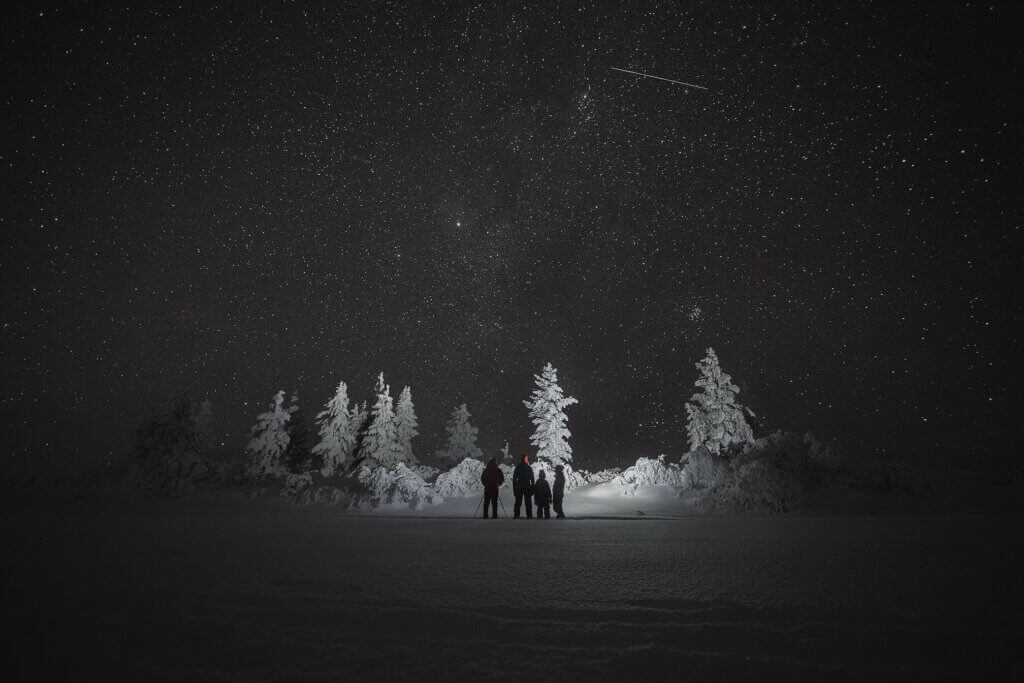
x: 522, y: 487
x: 559, y: 491
x: 542, y: 496
x: 492, y: 479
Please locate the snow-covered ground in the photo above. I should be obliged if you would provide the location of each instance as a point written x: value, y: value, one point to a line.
x: 589, y: 502
x: 219, y: 587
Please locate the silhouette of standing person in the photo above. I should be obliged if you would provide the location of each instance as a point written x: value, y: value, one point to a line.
x: 492, y: 478
x: 522, y: 487
x: 559, y: 491
x: 542, y: 496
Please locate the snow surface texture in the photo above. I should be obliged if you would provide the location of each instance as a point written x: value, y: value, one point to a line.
x: 227, y: 589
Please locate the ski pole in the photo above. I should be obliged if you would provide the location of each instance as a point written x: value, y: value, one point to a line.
x: 503, y: 510
x: 478, y: 505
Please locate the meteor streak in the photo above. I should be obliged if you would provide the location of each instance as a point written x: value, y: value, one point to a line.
x: 637, y: 73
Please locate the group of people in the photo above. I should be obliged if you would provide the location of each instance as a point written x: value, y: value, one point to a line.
x: 526, y: 489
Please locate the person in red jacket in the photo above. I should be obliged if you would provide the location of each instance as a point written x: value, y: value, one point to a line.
x: 492, y: 479
x: 542, y: 496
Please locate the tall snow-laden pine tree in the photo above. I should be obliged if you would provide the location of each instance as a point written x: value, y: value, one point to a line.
x: 269, y: 439
x: 297, y: 456
x: 379, y: 448
x: 359, y: 420
x: 714, y: 419
x: 337, y: 437
x: 405, y: 427
x: 547, y: 410
x: 461, y: 439
x: 506, y: 455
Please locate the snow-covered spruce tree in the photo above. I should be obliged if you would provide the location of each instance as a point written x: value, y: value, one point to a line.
x: 405, y: 427
x: 380, y: 444
x: 202, y: 418
x: 358, y: 421
x: 298, y: 457
x: 337, y: 438
x: 461, y: 439
x: 168, y: 433
x: 547, y: 410
x: 171, y: 456
x: 269, y: 439
x: 715, y: 420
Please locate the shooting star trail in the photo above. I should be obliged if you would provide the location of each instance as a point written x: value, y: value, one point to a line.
x: 637, y: 73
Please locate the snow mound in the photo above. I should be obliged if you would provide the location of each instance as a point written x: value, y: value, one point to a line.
x: 322, y: 494
x: 649, y: 472
x: 703, y: 469
x: 771, y: 475
x: 461, y: 480
x: 425, y: 472
x: 601, y: 476
x: 573, y: 478
x: 395, y: 485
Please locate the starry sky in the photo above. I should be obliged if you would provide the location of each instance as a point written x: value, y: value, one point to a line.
x: 234, y: 199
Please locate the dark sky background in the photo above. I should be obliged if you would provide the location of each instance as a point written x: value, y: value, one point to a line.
x: 255, y: 196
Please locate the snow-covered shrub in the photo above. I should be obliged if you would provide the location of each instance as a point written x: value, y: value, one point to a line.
x: 755, y: 485
x: 649, y: 472
x: 426, y: 472
x: 889, y: 476
x: 573, y: 478
x: 703, y: 469
x: 294, y: 483
x: 820, y: 454
x: 769, y: 475
x: 322, y: 494
x: 461, y: 480
x: 394, y: 485
x: 176, y: 473
x: 183, y: 472
x: 601, y: 476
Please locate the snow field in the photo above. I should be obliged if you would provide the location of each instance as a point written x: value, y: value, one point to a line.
x: 225, y: 588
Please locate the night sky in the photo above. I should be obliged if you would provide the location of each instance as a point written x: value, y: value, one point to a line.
x: 235, y: 200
